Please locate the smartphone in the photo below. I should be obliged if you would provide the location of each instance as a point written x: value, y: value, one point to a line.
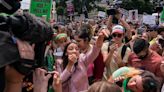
x: 140, y: 31
x: 111, y: 12
x: 114, y: 20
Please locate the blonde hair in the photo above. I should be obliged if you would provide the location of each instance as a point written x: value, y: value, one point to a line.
x: 132, y: 72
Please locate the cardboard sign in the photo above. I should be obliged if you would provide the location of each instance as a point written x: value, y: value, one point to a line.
x: 41, y: 8
x: 70, y: 8
x: 133, y: 15
x: 149, y: 19
x: 101, y: 14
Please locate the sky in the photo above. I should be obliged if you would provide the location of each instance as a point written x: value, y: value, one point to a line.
x: 25, y: 4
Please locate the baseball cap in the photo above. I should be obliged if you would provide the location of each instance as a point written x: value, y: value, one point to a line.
x: 118, y: 29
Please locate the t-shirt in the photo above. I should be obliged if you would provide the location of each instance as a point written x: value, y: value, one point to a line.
x: 151, y: 63
x: 113, y: 65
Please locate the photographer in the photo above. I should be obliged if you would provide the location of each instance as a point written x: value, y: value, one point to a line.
x: 18, y: 34
x: 14, y: 78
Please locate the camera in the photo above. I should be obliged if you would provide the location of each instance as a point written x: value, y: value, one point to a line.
x: 26, y: 27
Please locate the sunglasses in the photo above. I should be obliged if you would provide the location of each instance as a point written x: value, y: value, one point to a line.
x: 117, y: 35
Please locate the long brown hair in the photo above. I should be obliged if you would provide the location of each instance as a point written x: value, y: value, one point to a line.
x: 65, y: 56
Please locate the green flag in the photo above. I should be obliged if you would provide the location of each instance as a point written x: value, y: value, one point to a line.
x: 162, y: 16
x: 41, y: 8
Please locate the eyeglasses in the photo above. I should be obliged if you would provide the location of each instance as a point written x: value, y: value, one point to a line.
x: 117, y: 35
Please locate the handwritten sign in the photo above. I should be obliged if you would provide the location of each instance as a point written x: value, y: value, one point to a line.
x: 41, y: 8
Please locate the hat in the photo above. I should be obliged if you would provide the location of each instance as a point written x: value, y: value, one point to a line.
x: 118, y: 29
x: 9, y: 51
x: 61, y: 35
x: 139, y: 45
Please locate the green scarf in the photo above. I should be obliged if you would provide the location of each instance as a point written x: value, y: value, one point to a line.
x: 125, y: 82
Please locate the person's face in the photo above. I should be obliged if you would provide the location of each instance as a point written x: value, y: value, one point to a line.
x: 73, y: 49
x: 135, y: 84
x: 117, y: 37
x: 143, y: 54
x: 81, y: 43
x: 145, y: 36
x: 62, y: 42
x: 153, y: 33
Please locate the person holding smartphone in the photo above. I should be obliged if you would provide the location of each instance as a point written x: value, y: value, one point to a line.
x: 118, y: 53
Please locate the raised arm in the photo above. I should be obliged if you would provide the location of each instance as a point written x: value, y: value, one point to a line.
x: 93, y: 53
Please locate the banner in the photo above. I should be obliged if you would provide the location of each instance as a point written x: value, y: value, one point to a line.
x: 41, y: 8
x: 149, y: 19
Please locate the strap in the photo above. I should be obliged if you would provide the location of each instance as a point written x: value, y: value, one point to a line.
x: 123, y: 51
x: 24, y: 66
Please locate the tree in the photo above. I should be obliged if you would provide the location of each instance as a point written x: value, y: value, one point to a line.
x: 79, y: 4
x: 141, y: 5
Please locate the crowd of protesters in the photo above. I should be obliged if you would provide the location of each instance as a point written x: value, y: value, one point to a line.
x: 93, y: 56
x: 98, y: 56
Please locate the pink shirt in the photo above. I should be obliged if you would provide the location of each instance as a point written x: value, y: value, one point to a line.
x: 77, y: 80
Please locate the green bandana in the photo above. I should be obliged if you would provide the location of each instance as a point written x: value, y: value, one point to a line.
x: 125, y: 82
x: 61, y: 35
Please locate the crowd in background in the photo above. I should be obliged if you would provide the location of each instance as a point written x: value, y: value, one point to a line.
x: 94, y: 56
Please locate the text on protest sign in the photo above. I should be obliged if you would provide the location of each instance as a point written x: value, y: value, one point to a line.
x: 41, y: 8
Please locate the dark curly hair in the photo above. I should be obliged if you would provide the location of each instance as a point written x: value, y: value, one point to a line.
x: 150, y: 82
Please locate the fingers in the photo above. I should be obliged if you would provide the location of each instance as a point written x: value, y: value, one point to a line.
x: 121, y: 78
x: 42, y: 74
x: 72, y: 58
x: 56, y: 78
x: 104, y: 32
x: 26, y: 51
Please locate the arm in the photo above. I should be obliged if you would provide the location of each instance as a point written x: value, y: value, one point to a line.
x: 57, y: 85
x: 109, y: 55
x: 13, y: 80
x: 66, y: 73
x: 13, y: 87
x: 94, y: 52
x: 110, y: 24
x: 108, y: 59
x: 126, y: 25
x: 40, y: 80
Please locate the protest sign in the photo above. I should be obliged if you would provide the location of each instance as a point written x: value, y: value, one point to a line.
x: 149, y: 19
x: 101, y: 14
x: 133, y: 15
x: 41, y: 8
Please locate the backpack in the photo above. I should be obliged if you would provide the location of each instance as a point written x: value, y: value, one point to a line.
x: 123, y: 51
